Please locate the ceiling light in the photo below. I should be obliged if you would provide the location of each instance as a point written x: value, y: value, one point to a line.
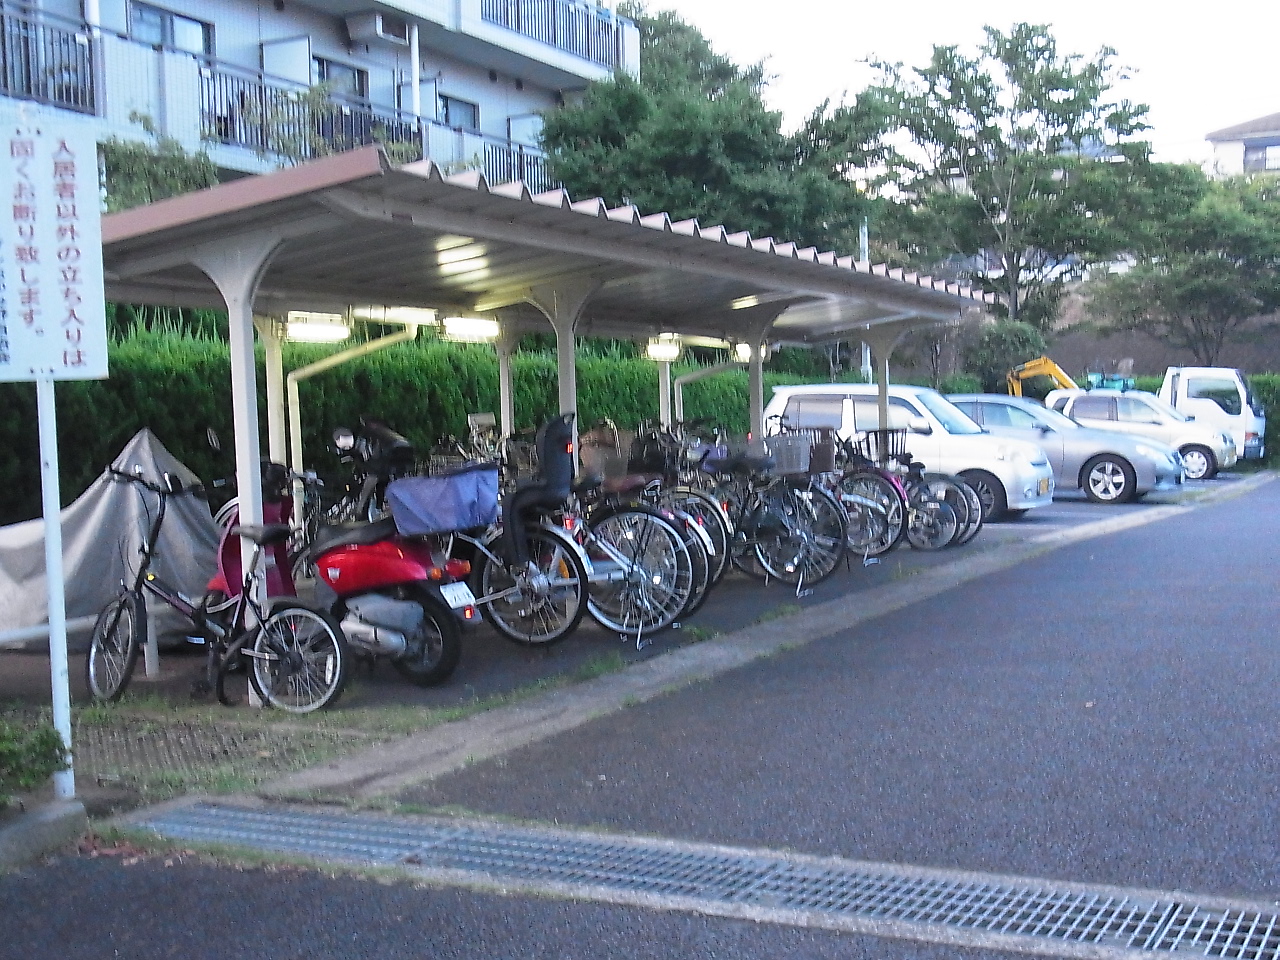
x: 664, y: 348
x: 470, y: 329
x: 303, y: 326
x: 405, y: 315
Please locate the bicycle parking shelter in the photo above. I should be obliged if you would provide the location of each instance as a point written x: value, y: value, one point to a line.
x: 353, y: 229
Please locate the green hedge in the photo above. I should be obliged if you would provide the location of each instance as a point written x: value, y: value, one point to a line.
x: 179, y: 386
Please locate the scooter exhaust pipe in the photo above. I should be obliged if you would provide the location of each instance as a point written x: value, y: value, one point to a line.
x: 380, y: 640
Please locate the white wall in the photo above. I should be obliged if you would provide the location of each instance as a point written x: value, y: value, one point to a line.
x: 1228, y: 159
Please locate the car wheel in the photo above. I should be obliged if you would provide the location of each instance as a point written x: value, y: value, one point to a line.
x: 1198, y: 462
x: 990, y: 491
x: 1108, y: 479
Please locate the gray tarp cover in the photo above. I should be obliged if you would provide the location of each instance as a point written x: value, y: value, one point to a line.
x: 101, y: 534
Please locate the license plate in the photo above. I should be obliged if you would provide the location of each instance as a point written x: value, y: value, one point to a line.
x: 457, y: 595
x: 1044, y: 486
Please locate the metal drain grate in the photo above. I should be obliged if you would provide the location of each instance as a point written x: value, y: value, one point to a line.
x: 929, y: 905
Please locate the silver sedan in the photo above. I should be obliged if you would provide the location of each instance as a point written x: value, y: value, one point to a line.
x: 1108, y: 467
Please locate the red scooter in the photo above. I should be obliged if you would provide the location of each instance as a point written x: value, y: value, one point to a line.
x: 394, y: 597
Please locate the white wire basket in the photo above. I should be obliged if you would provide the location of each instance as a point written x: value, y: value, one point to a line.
x: 790, y: 452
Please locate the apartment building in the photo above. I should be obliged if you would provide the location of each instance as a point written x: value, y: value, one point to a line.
x: 463, y: 82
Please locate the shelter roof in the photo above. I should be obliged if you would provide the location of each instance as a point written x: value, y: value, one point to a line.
x: 354, y: 229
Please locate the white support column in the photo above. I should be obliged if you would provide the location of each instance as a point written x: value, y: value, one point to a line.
x: 415, y: 72
x: 506, y: 346
x: 882, y: 338
x: 237, y: 268
x: 269, y: 330
x: 562, y: 304
x: 755, y: 391
x: 664, y: 393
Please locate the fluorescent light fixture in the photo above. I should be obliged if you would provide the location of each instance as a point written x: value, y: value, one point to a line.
x: 470, y: 329
x: 405, y: 315
x: 742, y: 303
x: 742, y: 352
x: 664, y: 348
x: 304, y: 326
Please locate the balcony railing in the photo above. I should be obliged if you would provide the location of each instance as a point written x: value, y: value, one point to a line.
x: 45, y: 59
x: 278, y: 120
x: 584, y: 30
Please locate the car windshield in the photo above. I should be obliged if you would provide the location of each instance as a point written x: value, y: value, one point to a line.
x: 1163, y: 407
x: 1053, y: 418
x: 952, y: 418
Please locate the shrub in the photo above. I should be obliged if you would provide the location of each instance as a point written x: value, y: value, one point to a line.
x: 29, y: 756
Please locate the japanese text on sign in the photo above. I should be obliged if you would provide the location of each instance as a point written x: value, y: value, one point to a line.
x: 52, y: 310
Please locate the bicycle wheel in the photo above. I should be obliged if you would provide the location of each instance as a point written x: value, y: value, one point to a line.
x: 707, y: 512
x: 701, y: 549
x: 643, y: 576
x: 828, y: 533
x: 876, y: 511
x: 931, y: 523
x: 299, y: 659
x: 113, y: 649
x: 976, y: 516
x: 538, y: 606
x: 945, y: 488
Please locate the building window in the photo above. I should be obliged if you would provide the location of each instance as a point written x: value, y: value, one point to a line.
x: 458, y: 113
x: 343, y: 80
x: 172, y: 31
x: 1271, y: 158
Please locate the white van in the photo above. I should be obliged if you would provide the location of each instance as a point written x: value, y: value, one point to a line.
x: 1221, y: 398
x: 1011, y: 476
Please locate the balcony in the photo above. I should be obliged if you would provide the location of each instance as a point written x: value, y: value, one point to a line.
x: 46, y: 59
x: 280, y: 121
x: 583, y: 30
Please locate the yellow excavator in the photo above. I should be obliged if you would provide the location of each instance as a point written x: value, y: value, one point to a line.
x: 1039, y: 367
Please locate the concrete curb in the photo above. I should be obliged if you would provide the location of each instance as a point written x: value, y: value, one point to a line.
x: 452, y: 746
x: 40, y: 831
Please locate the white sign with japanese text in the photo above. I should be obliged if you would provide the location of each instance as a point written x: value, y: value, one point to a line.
x: 53, y: 323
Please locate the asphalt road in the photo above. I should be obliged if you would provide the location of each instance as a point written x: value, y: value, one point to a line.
x: 1105, y: 712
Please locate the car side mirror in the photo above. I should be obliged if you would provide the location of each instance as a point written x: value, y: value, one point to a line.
x: 920, y: 425
x: 1044, y: 428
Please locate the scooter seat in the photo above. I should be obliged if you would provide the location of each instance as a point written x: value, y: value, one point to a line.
x: 352, y: 534
x: 263, y: 534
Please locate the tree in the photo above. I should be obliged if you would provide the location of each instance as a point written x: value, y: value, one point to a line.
x: 693, y: 137
x: 136, y: 172
x: 995, y: 349
x: 1209, y: 264
x: 1013, y: 166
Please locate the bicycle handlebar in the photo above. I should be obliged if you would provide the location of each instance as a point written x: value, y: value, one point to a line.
x: 172, y: 485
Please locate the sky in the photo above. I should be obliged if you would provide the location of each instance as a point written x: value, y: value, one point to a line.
x: 1199, y: 67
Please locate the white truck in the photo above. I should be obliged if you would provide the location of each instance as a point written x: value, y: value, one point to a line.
x: 1219, y: 397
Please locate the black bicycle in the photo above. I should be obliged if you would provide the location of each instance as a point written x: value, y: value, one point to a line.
x: 295, y: 655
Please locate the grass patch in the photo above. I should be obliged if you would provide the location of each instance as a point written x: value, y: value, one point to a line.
x: 778, y: 612
x: 695, y: 634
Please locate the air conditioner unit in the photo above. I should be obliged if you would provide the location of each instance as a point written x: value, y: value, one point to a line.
x: 378, y: 28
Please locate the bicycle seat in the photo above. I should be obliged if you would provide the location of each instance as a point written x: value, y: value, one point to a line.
x: 352, y: 534
x: 263, y: 534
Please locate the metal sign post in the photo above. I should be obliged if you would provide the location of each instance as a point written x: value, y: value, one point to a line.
x: 52, y: 319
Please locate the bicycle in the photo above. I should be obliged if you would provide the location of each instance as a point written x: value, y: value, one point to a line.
x: 296, y: 656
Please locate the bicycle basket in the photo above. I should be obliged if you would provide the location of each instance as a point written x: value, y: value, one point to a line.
x: 882, y: 445
x: 790, y: 452
x: 822, y: 455
x: 461, y: 499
